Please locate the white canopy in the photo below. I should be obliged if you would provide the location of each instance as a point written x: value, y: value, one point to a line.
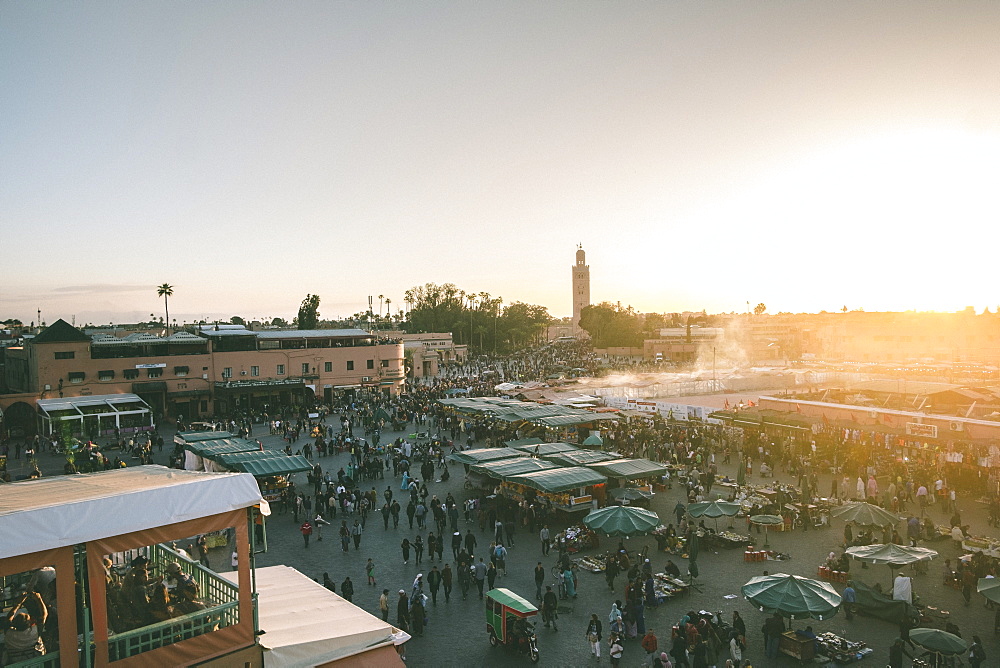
x: 307, y: 625
x: 65, y: 510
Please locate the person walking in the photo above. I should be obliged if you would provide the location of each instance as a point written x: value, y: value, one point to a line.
x: 649, y: 645
x: 850, y: 598
x: 543, y: 535
x: 774, y: 627
x: 736, y: 646
x: 394, y: 511
x: 345, y: 536
x: 491, y: 575
x: 306, y: 530
x: 539, y: 580
x: 370, y: 571
x: 431, y: 545
x: 470, y: 543
x: 434, y: 583
x: 593, y: 635
x: 480, y: 575
x: 418, y: 548
x: 465, y: 574
x: 550, y: 608
x: 501, y: 558
x: 383, y: 604
x: 386, y: 512
x: 405, y: 545
x: 615, y: 649
x: 446, y: 581
x: 976, y: 652
x: 347, y: 589
x: 411, y: 510
x: 356, y: 534
x: 403, y: 611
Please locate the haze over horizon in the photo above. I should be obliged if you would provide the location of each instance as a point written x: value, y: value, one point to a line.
x: 804, y: 155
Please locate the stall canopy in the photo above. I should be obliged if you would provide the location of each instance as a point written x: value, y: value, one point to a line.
x: 485, y: 455
x: 546, y: 448
x: 523, y: 441
x: 228, y: 459
x: 559, y: 480
x: 629, y: 469
x: 268, y: 466
x: 581, y: 457
x: 304, y: 624
x: 107, y: 406
x: 55, y: 512
x: 211, y: 449
x: 196, y: 436
x: 506, y: 468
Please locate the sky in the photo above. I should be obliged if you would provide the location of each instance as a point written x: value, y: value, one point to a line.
x: 807, y: 155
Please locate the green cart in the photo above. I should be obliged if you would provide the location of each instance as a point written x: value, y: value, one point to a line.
x: 507, y: 622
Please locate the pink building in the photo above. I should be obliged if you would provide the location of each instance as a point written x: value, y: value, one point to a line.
x: 218, y: 370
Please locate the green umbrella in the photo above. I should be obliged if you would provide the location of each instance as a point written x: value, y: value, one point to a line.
x: 630, y: 494
x: 622, y: 520
x: 990, y: 588
x: 941, y: 642
x: 766, y: 521
x: 716, y: 508
x: 793, y: 596
x: 865, y: 514
x: 893, y: 555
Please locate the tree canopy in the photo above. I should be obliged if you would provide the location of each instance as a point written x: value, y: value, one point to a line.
x: 474, y: 318
x: 308, y: 317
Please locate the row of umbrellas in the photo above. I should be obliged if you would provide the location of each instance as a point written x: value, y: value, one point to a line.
x: 795, y: 596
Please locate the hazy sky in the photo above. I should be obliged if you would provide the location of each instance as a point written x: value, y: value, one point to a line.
x: 808, y: 155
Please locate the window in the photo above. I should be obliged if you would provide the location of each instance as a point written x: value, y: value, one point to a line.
x: 154, y: 373
x: 305, y: 368
x: 255, y: 371
x: 371, y: 364
x: 130, y: 374
x: 227, y: 372
x: 385, y: 364
x: 66, y: 355
x: 181, y: 371
x: 327, y: 367
x: 76, y: 376
x: 350, y: 366
x: 106, y: 375
x: 281, y: 369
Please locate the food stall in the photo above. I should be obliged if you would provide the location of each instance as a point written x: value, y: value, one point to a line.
x: 580, y: 457
x: 569, y: 489
x: 503, y: 469
x: 670, y: 544
x: 182, y: 438
x: 542, y: 449
x: 482, y: 455
x: 578, y: 537
x: 666, y: 587
x: 198, y: 456
x: 271, y: 468
x: 626, y: 470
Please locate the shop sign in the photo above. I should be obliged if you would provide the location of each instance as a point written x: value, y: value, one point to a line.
x: 151, y: 366
x: 924, y: 430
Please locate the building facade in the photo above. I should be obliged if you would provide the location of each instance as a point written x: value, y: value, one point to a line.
x: 218, y: 370
x: 581, y: 287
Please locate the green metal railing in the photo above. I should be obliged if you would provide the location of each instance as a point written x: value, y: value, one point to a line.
x: 147, y: 638
x: 50, y: 660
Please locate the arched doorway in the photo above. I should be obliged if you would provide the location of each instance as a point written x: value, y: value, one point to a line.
x: 19, y: 420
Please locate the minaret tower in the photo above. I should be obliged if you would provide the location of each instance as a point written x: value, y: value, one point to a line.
x: 581, y: 286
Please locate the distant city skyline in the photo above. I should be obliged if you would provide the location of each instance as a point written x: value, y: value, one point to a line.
x: 803, y: 155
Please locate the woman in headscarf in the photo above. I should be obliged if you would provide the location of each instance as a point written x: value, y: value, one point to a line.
x: 569, y: 582
x: 615, y: 618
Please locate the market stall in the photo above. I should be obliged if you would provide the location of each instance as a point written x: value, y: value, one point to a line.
x: 569, y: 489
x: 503, y: 469
x: 198, y: 455
x: 481, y: 455
x: 576, y: 538
x: 666, y: 587
x: 580, y: 457
x: 542, y: 449
x: 668, y: 541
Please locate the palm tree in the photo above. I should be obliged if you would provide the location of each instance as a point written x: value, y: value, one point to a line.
x: 165, y: 290
x: 387, y: 302
x: 380, y: 299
